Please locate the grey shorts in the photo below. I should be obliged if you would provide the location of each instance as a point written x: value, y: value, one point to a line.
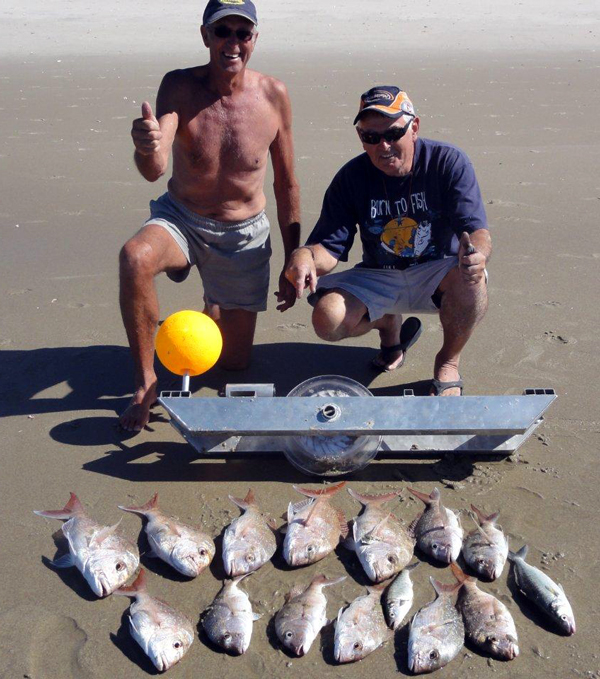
x: 388, y: 291
x: 232, y: 257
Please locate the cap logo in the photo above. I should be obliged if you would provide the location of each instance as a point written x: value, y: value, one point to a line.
x: 231, y: 2
x: 379, y: 94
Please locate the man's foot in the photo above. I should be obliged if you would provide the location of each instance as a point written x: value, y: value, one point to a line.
x: 446, y: 381
x: 137, y: 414
x: 392, y: 357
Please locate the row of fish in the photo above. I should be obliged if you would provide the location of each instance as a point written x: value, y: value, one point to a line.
x: 314, y: 528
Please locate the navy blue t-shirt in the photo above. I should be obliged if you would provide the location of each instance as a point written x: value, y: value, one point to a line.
x: 402, y: 221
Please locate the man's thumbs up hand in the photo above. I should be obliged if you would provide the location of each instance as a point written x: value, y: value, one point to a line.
x: 145, y: 132
x: 471, y: 262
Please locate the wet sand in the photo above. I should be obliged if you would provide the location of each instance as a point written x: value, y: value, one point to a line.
x: 528, y: 119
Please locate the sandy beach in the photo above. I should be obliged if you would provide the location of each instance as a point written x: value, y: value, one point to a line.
x: 517, y: 89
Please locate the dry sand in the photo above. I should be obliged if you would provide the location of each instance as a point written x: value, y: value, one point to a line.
x: 517, y: 89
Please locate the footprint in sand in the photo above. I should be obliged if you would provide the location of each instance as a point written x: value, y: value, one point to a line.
x: 37, y: 643
x: 551, y: 336
x: 549, y: 304
x: 292, y: 327
x: 23, y: 291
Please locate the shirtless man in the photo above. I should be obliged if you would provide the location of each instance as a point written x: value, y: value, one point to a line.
x: 221, y: 121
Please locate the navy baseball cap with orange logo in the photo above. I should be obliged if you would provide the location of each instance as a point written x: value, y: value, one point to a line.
x: 217, y: 9
x: 388, y: 100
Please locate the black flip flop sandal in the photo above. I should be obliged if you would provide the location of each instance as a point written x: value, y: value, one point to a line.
x: 439, y: 387
x: 409, y: 333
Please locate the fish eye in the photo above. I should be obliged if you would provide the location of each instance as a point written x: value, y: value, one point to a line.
x: 563, y: 617
x: 493, y: 640
x: 202, y: 551
x: 392, y: 614
x: 310, y: 548
x: 119, y: 566
x: 226, y: 637
x: 435, y: 546
x: 288, y: 635
x: 391, y: 559
x: 357, y: 645
x: 177, y: 644
x: 433, y: 655
x: 250, y: 557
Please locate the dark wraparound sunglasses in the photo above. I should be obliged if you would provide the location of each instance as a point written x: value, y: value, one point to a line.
x: 242, y: 34
x: 391, y: 135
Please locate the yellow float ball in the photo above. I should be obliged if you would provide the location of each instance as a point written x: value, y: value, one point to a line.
x: 188, y: 342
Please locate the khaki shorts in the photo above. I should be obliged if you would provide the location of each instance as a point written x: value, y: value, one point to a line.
x: 232, y: 257
x: 390, y: 291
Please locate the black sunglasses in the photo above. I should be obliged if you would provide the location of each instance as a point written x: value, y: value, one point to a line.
x: 391, y: 135
x: 242, y: 34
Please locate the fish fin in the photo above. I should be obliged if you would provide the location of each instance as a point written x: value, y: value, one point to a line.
x: 480, y: 530
x: 239, y: 578
x: 271, y: 523
x: 142, y: 510
x: 328, y: 491
x: 294, y: 508
x: 325, y: 581
x: 311, y: 512
x: 371, y: 536
x: 296, y: 590
x: 151, y: 554
x: 350, y: 541
x: 100, y: 535
x: 339, y: 615
x: 411, y: 566
x: 133, y: 627
x: 365, y: 499
x: 442, y: 588
x: 284, y: 529
x: 138, y: 585
x: 344, y: 530
x: 521, y: 554
x: 483, y: 518
x: 459, y: 574
x: 248, y: 501
x: 377, y: 589
x: 72, y: 507
x: 413, y: 525
x: 290, y: 513
x: 173, y: 526
x: 65, y: 561
x: 427, y: 499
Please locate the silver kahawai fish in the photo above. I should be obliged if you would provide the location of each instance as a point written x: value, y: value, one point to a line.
x: 436, y: 632
x: 485, y: 549
x: 228, y: 620
x: 303, y: 615
x: 314, y: 527
x: 360, y: 628
x: 547, y: 595
x: 382, y: 544
x: 164, y: 634
x: 488, y: 623
x: 249, y: 541
x: 187, y: 549
x: 104, y: 558
x: 398, y: 598
x: 438, y: 530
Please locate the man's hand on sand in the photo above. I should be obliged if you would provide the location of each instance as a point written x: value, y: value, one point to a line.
x: 146, y: 132
x: 301, y: 271
x: 286, y: 295
x: 471, y: 262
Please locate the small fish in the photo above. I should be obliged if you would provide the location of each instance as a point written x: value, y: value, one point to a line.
x: 314, y: 527
x: 398, y: 599
x: 303, y: 615
x: 164, y: 634
x: 104, y: 558
x: 436, y: 632
x: 228, y: 620
x: 360, y: 628
x: 545, y: 594
x: 249, y: 541
x: 381, y: 542
x: 485, y: 549
x: 186, y: 548
x: 438, y: 530
x: 488, y: 623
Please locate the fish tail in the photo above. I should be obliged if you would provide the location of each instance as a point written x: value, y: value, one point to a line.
x: 412, y: 566
x: 482, y: 518
x: 324, y: 581
x: 329, y: 491
x: 138, y: 585
x: 521, y: 554
x: 377, y: 589
x: 459, y: 574
x: 427, y: 499
x: 442, y: 588
x: 365, y: 499
x: 72, y: 508
x: 143, y: 509
x: 248, y: 501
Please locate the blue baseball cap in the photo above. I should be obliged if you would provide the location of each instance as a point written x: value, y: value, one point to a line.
x: 388, y: 100
x: 217, y: 9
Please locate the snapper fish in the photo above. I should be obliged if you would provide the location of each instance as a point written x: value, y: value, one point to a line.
x: 303, y: 615
x: 485, y: 549
x: 104, y: 558
x: 360, y: 628
x: 488, y: 623
x: 438, y: 530
x: 437, y: 632
x: 383, y: 545
x: 314, y: 527
x: 249, y: 541
x: 398, y: 599
x: 187, y: 549
x: 228, y: 620
x: 547, y: 595
x: 164, y: 634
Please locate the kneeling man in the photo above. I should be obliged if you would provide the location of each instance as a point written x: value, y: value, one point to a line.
x: 418, y: 209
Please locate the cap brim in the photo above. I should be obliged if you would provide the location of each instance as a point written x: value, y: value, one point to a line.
x: 230, y: 12
x: 384, y: 110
